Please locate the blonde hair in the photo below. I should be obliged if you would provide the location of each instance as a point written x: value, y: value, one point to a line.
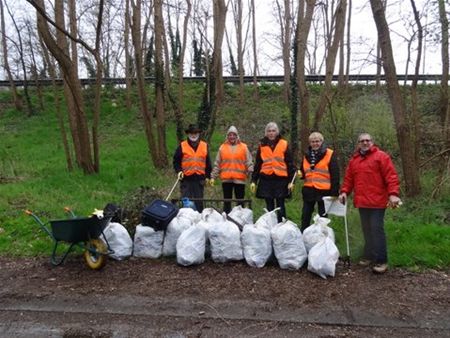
x: 315, y: 135
x: 271, y: 125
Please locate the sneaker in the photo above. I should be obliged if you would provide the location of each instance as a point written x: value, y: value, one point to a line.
x: 364, y: 262
x: 380, y: 268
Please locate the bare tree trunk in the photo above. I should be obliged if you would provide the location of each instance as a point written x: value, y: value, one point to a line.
x: 331, y: 61
x: 179, y: 112
x: 444, y: 100
x: 378, y: 60
x: 255, y: 55
x: 303, y: 27
x: 16, y: 97
x: 410, y: 171
x: 147, y: 116
x: 415, y: 116
x: 444, y: 103
x: 58, y: 110
x: 214, y: 90
x: 159, y: 85
x: 98, y: 87
x: 240, y: 52
x: 349, y: 21
x: 128, y: 65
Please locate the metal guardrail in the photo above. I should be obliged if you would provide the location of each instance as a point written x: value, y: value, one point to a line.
x: 354, y: 78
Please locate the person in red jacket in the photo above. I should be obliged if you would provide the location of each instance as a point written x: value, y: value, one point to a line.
x: 372, y: 177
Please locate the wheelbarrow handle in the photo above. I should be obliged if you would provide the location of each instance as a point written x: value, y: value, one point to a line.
x: 38, y: 221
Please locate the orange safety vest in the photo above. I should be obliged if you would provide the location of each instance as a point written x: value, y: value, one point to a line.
x: 273, y: 161
x: 194, y: 161
x: 232, y: 161
x: 319, y: 177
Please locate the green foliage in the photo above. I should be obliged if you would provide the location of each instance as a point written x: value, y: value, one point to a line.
x: 33, y: 172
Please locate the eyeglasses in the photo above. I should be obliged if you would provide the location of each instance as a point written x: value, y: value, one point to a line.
x: 365, y: 140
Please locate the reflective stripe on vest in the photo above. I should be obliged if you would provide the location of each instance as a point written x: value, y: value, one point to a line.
x: 233, y: 158
x: 319, y: 177
x: 273, y: 161
x: 194, y: 162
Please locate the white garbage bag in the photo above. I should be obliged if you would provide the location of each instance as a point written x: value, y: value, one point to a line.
x: 288, y: 245
x: 322, y: 258
x: 242, y: 215
x: 180, y: 223
x: 193, y: 215
x: 147, y: 242
x: 119, y: 240
x: 317, y: 231
x: 256, y: 244
x: 268, y: 219
x: 225, y: 241
x: 191, y: 246
x: 211, y: 215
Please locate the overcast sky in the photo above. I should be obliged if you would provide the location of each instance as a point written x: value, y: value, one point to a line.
x: 363, y: 39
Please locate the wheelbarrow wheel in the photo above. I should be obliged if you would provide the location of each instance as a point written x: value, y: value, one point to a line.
x: 94, y: 255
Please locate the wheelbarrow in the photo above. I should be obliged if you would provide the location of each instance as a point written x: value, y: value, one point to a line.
x: 83, y: 232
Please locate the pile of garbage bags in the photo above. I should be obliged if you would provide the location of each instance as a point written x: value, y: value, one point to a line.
x: 192, y: 236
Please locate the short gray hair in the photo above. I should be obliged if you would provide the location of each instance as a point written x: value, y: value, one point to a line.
x: 271, y: 125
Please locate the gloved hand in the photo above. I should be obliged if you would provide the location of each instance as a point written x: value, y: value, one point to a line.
x: 291, y: 187
x: 211, y: 182
x: 253, y: 188
x: 343, y: 198
x: 207, y: 181
x: 180, y: 175
x: 299, y: 173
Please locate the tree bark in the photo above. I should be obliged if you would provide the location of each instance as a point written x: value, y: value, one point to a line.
x: 255, y: 56
x: 303, y: 27
x: 410, y: 171
x: 444, y: 99
x: 159, y: 86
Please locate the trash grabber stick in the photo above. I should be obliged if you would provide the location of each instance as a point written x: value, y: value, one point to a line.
x: 173, y: 188
x: 294, y: 177
x: 346, y: 235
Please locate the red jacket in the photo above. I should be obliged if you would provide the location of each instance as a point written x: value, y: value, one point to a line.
x: 372, y: 177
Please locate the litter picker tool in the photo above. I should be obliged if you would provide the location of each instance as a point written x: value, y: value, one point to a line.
x: 334, y: 207
x: 173, y: 188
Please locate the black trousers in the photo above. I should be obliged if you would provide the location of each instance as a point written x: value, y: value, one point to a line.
x: 308, y: 209
x: 279, y: 202
x: 193, y: 189
x: 228, y: 188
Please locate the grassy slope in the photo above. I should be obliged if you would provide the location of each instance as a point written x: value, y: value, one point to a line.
x: 31, y: 154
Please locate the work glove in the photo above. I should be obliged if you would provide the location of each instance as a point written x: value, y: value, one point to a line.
x: 343, y: 198
x: 299, y: 173
x: 291, y: 187
x: 211, y: 182
x: 253, y: 188
x: 207, y: 181
x: 180, y: 175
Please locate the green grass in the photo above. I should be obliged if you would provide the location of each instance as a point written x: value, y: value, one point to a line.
x: 33, y: 175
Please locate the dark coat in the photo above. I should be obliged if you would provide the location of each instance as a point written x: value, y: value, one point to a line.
x: 272, y: 186
x: 312, y: 194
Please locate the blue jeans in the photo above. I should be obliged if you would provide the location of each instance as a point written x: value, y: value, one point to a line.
x: 372, y: 223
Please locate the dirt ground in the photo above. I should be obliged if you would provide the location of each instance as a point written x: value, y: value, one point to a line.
x: 144, y: 297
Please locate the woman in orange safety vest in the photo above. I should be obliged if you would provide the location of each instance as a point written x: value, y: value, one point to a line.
x: 320, y: 171
x: 274, y: 170
x: 233, y: 164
